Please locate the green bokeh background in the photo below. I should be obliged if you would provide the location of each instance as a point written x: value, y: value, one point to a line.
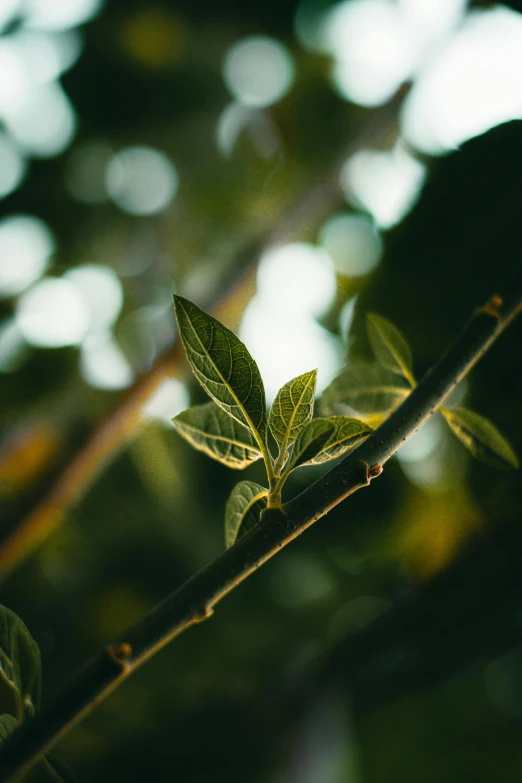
x: 267, y: 691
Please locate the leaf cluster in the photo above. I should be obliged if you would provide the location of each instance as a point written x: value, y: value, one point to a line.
x: 21, y: 677
x: 234, y: 428
x: 373, y: 391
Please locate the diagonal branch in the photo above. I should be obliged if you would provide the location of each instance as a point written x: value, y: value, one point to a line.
x: 193, y: 602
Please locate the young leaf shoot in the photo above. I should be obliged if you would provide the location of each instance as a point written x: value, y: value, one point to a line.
x: 390, y: 347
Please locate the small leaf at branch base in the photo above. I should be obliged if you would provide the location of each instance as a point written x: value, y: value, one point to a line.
x: 244, y: 506
x: 367, y: 389
x: 20, y: 666
x: 222, y: 365
x: 348, y: 433
x: 7, y: 725
x: 389, y: 346
x: 211, y: 430
x: 293, y: 407
x: 481, y: 437
x: 310, y: 441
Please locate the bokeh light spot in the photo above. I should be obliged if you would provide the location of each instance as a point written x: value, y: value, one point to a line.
x: 52, y: 314
x: 85, y: 172
x: 12, y: 166
x: 387, y: 184
x: 25, y: 247
x: 232, y: 121
x: 141, y: 180
x: 473, y: 85
x: 297, y: 278
x: 371, y: 47
x: 101, y: 290
x: 13, y: 347
x: 423, y: 443
x: 60, y: 14
x: 43, y: 121
x: 285, y: 345
x: 170, y: 398
x: 154, y: 38
x: 102, y: 363
x: 353, y: 243
x: 258, y: 71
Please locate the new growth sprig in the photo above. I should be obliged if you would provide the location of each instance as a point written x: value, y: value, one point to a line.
x: 234, y: 428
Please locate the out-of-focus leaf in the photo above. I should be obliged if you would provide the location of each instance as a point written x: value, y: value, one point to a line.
x: 20, y: 666
x: 369, y: 390
x: 293, y: 408
x: 244, y: 506
x: 347, y: 434
x: 211, y: 430
x: 222, y: 365
x: 310, y: 441
x: 481, y: 437
x: 7, y: 725
x: 390, y: 347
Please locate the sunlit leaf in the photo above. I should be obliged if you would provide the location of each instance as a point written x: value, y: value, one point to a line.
x: 244, y: 506
x: 292, y: 409
x: 481, y: 437
x: 211, y: 430
x: 368, y: 390
x: 389, y: 346
x: 347, y: 434
x: 20, y: 666
x: 7, y: 725
x: 310, y: 441
x: 222, y: 365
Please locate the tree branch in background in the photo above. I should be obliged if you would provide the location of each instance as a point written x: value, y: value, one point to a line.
x: 20, y: 539
x: 194, y: 601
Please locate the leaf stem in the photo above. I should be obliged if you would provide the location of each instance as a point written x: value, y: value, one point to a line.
x: 193, y: 602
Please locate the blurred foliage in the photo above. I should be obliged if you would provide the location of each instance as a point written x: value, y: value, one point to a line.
x: 439, y: 538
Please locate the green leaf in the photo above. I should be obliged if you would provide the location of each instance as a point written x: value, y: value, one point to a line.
x: 292, y: 409
x: 368, y: 390
x: 7, y: 725
x: 223, y: 366
x: 20, y: 666
x: 481, y: 437
x: 211, y: 430
x: 310, y: 441
x: 389, y: 346
x: 244, y: 506
x: 348, y: 433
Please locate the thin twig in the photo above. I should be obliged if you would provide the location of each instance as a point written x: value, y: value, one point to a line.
x: 194, y: 601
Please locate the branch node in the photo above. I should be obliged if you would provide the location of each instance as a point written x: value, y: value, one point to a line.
x: 492, y: 307
x: 374, y: 471
x: 120, y: 655
x: 203, y: 614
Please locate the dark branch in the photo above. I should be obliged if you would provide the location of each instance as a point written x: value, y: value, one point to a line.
x: 194, y: 601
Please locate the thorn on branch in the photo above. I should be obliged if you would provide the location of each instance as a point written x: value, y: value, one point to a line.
x: 492, y: 307
x: 203, y: 614
x: 374, y: 471
x: 120, y: 655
